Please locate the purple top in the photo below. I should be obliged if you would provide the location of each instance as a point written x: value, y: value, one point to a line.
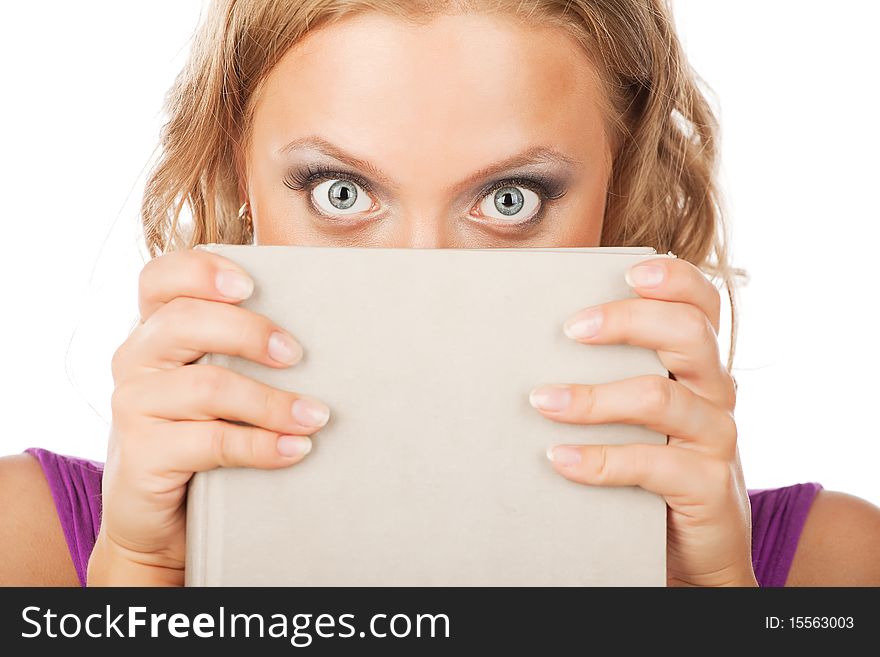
x: 778, y: 515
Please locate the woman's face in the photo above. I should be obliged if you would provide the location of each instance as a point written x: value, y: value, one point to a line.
x: 471, y: 131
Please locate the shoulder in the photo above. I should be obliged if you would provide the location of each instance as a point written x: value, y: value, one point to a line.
x: 34, y: 548
x: 838, y: 544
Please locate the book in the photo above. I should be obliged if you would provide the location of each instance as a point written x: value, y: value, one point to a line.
x: 432, y: 468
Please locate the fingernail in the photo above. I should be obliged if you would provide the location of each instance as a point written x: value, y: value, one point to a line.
x: 644, y: 276
x: 234, y: 285
x: 550, y: 398
x: 284, y: 349
x: 564, y: 454
x: 293, y: 445
x: 310, y: 412
x: 584, y: 325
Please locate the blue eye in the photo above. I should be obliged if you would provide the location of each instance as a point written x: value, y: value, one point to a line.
x: 344, y: 197
x: 512, y: 203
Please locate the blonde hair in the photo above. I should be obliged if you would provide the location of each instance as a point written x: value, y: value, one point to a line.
x: 662, y: 191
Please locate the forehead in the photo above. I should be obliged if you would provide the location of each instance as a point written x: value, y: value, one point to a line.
x: 467, y: 89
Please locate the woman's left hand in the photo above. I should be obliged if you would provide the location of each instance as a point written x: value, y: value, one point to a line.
x: 698, y: 472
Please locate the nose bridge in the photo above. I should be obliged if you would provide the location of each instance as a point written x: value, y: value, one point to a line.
x: 421, y: 231
x: 422, y: 225
x: 423, y: 213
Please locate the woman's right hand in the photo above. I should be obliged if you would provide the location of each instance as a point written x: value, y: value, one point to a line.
x: 171, y: 417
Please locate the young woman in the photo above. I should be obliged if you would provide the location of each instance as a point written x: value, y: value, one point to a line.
x: 428, y: 124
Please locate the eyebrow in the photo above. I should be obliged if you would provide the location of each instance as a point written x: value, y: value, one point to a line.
x: 533, y: 155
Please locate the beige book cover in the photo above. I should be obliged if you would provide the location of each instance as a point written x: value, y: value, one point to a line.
x: 432, y: 469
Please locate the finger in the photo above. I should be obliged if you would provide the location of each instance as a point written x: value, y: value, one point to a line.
x: 184, y: 329
x: 208, y: 392
x: 673, y: 279
x: 680, y: 333
x: 190, y: 273
x: 194, y: 446
x: 673, y: 472
x: 656, y: 402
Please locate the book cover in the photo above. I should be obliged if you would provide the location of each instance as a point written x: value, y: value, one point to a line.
x: 432, y: 468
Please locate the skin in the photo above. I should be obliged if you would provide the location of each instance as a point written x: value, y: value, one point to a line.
x: 422, y: 142
x: 427, y: 141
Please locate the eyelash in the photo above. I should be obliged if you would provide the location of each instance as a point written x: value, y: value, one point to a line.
x: 300, y: 179
x: 546, y: 188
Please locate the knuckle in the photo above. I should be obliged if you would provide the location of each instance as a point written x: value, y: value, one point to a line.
x: 715, y: 302
x: 146, y: 274
x: 169, y: 317
x: 202, y: 266
x: 208, y: 381
x: 730, y: 429
x: 697, y: 328
x: 720, y: 476
x: 219, y: 443
x: 603, y: 465
x: 124, y: 442
x: 587, y: 402
x: 269, y: 402
x: 655, y: 394
x: 233, y: 445
x: 729, y: 434
x: 120, y: 401
x: 117, y: 361
x: 178, y: 309
x: 252, y: 447
x: 124, y: 411
x: 730, y: 401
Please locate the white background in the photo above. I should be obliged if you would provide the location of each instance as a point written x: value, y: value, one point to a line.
x: 795, y: 86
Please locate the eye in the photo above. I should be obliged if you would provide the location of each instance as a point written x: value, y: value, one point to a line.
x: 341, y: 197
x: 511, y: 204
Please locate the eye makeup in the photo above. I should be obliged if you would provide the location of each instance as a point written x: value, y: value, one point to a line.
x: 300, y: 178
x: 548, y: 188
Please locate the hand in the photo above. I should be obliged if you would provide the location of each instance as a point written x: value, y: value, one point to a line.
x: 698, y: 472
x: 170, y: 416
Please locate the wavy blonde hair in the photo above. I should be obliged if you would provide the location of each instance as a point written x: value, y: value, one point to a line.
x: 662, y: 191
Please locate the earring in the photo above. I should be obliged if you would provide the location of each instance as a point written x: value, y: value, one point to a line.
x: 244, y: 215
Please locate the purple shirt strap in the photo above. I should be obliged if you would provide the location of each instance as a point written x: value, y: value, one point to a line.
x: 778, y: 516
x: 76, y: 488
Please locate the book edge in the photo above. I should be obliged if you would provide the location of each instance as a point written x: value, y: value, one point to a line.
x: 199, y: 498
